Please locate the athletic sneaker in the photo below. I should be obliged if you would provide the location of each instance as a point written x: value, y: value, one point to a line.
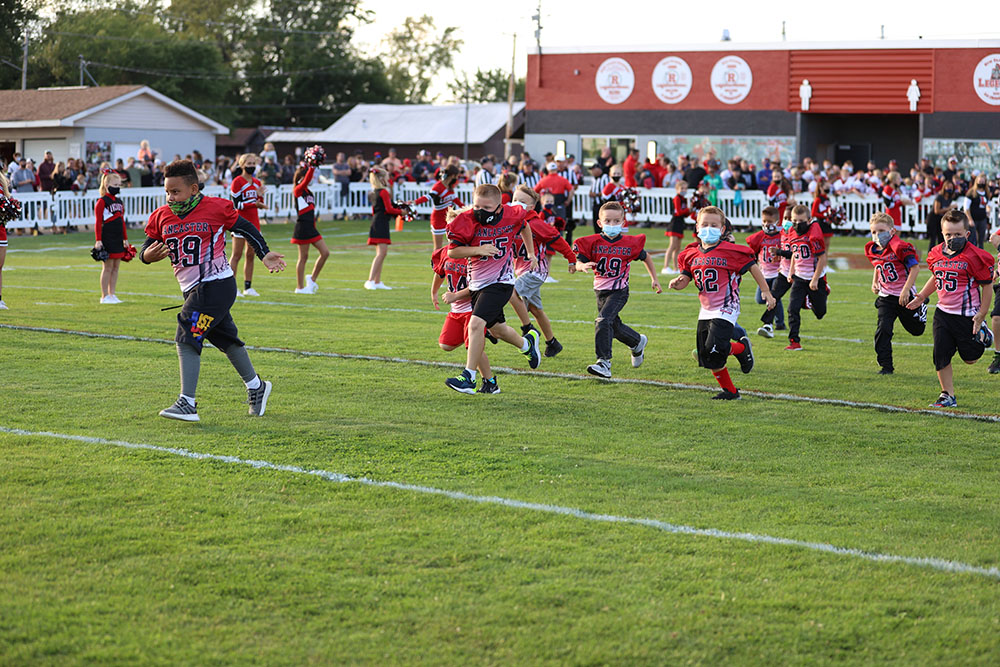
x: 552, y: 347
x: 746, y: 356
x: 106, y: 299
x: 250, y: 292
x: 3, y: 306
x: 489, y: 387
x: 767, y: 331
x: 463, y: 383
x: 945, y: 400
x: 113, y: 299
x: 181, y: 410
x: 534, y: 356
x: 302, y: 290
x: 312, y: 285
x: 257, y: 398
x: 550, y: 279
x: 667, y: 271
x: 794, y: 345
x: 780, y: 326
x: 525, y: 328
x: 994, y: 365
x: 637, y: 351
x: 985, y: 336
x: 885, y: 371
x: 601, y: 368
x: 490, y: 337
x: 370, y: 284
x: 727, y: 396
x: 381, y: 285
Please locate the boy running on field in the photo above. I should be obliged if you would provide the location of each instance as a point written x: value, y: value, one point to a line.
x: 528, y: 283
x: 609, y: 255
x: 807, y: 272
x: 766, y: 245
x: 485, y: 236
x: 896, y: 266
x: 190, y: 229
x: 959, y: 271
x: 716, y: 267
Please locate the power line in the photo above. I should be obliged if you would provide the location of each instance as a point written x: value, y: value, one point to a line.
x: 226, y: 24
x: 186, y: 75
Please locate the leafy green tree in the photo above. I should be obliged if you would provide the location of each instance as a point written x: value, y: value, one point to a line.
x: 417, y: 55
x: 487, y: 86
x: 15, y: 16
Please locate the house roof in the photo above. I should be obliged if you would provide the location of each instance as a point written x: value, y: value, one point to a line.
x: 409, y: 124
x: 63, y: 107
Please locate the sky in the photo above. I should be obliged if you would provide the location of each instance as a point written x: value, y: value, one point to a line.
x: 571, y: 23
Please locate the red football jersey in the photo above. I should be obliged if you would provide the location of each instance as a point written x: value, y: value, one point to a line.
x: 765, y: 247
x: 456, y: 275
x: 197, y: 242
x: 716, y: 272
x: 442, y: 198
x: 776, y: 197
x: 544, y: 236
x: 498, y: 268
x: 891, y: 265
x: 958, y: 277
x: 245, y: 197
x: 806, y: 250
x: 613, y: 257
x: 893, y: 205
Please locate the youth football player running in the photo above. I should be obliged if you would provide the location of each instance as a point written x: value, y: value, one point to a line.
x: 190, y: 230
x: 716, y: 266
x: 485, y: 234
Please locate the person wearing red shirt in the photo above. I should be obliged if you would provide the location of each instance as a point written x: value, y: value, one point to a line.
x: 247, y: 194
x: 305, y: 233
x: 678, y: 223
x: 378, y: 234
x: 807, y: 272
x: 766, y: 244
x: 896, y: 265
x: 112, y: 236
x: 893, y: 199
x: 716, y: 267
x: 630, y: 166
x: 443, y: 198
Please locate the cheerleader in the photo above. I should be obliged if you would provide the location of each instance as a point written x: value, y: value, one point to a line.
x: 442, y: 197
x: 822, y: 210
x: 507, y: 182
x: 675, y: 232
x: 378, y: 235
x: 305, y: 233
x: 109, y: 228
x: 10, y: 209
x: 247, y: 194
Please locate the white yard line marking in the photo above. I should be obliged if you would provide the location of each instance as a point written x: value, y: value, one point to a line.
x: 934, y: 563
x: 883, y: 407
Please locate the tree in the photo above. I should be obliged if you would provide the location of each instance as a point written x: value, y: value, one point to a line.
x: 487, y: 86
x: 15, y: 17
x: 416, y: 55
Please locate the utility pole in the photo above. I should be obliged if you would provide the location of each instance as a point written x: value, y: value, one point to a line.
x: 465, y: 148
x: 81, y: 69
x: 782, y: 31
x: 537, y: 18
x: 24, y: 62
x: 510, y: 100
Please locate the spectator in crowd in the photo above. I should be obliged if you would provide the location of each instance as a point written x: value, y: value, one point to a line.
x: 286, y: 173
x: 606, y: 160
x: 392, y: 163
x: 79, y: 185
x: 764, y: 176
x: 486, y: 174
x: 423, y: 170
x: 145, y: 154
x: 134, y: 170
x: 269, y: 174
x: 45, y: 170
x: 978, y: 209
x: 527, y: 174
x: 269, y: 152
x: 14, y: 165
x: 23, y: 178
x: 747, y: 176
x: 62, y: 178
x: 714, y: 182
x: 630, y: 167
x: 123, y: 173
x: 695, y: 174
x: 342, y: 174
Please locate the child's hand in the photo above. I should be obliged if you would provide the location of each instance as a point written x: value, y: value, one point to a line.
x: 875, y: 291
x: 585, y: 267
x: 98, y: 245
x: 903, y: 299
x: 434, y: 300
x: 572, y: 268
x: 273, y: 262
x: 656, y: 286
x: 450, y: 297
x: 977, y: 322
x: 680, y: 282
x: 995, y: 239
x: 770, y: 301
x: 915, y: 302
x: 487, y: 249
x: 155, y: 252
x: 814, y: 284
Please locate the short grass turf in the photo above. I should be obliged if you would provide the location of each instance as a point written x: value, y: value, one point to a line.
x: 119, y: 556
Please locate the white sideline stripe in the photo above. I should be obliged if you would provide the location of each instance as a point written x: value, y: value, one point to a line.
x: 883, y: 407
x: 302, y: 304
x: 934, y: 563
x: 50, y: 248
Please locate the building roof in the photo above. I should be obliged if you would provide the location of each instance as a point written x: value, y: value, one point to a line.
x: 409, y: 124
x: 776, y: 46
x: 66, y: 107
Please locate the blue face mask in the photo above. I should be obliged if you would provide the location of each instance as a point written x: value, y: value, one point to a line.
x: 787, y: 225
x: 611, y: 230
x: 710, y: 235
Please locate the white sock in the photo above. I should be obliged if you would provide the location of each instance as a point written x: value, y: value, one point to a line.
x: 189, y: 399
x: 254, y: 383
x: 472, y: 374
x: 525, y: 344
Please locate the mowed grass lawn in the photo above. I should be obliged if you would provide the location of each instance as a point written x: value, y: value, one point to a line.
x: 111, y: 555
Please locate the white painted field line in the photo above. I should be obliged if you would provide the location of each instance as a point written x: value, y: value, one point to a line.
x: 50, y: 248
x: 934, y: 563
x: 883, y: 407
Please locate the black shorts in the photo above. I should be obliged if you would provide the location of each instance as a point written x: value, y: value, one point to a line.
x: 488, y: 303
x: 677, y: 226
x: 205, y: 315
x: 953, y: 333
x: 826, y: 228
x: 996, y: 301
x: 714, y: 338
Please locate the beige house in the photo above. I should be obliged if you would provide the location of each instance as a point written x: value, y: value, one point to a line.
x: 106, y: 122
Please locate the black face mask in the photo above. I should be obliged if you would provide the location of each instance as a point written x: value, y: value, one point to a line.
x: 249, y: 170
x: 113, y: 190
x: 802, y: 227
x: 485, y: 217
x: 616, y: 178
x: 957, y: 244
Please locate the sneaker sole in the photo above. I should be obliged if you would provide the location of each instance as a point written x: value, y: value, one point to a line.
x: 749, y: 348
x: 637, y: 359
x: 263, y: 401
x: 598, y: 374
x: 461, y: 391
x: 537, y: 352
x: 180, y: 417
x: 765, y: 333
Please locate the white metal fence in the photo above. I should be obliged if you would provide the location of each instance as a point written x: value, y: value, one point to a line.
x: 69, y: 208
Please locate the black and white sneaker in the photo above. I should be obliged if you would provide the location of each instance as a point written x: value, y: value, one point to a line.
x: 463, y: 383
x: 638, y: 350
x: 767, y: 331
x: 257, y: 398
x: 746, y: 356
x: 727, y: 396
x: 552, y: 347
x: 601, y: 368
x: 489, y: 387
x: 181, y: 410
x: 533, y: 354
x: 995, y: 364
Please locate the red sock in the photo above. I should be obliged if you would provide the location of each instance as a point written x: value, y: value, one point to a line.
x: 722, y: 377
x: 736, y: 347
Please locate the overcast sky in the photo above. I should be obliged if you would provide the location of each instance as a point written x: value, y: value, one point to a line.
x: 488, y: 35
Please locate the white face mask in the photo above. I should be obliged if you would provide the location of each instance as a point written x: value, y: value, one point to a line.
x: 610, y: 230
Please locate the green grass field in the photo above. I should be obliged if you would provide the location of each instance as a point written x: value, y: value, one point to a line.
x: 115, y: 555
